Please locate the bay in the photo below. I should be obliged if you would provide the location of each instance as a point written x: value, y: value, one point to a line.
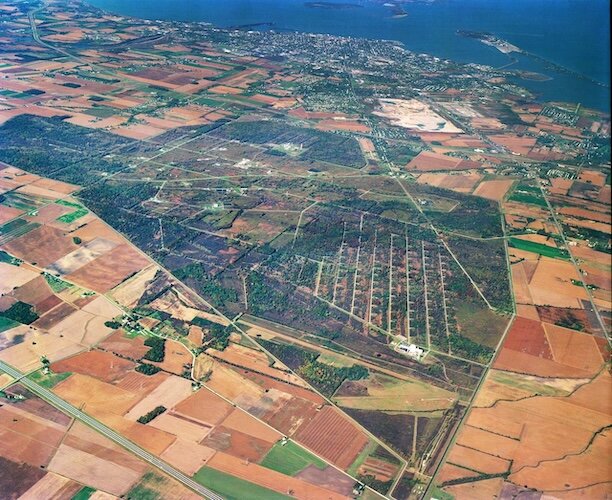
x: 574, y: 34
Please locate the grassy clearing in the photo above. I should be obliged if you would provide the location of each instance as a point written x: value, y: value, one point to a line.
x: 523, y: 383
x: 388, y: 393
x: 529, y: 198
x: 289, y: 459
x: 233, y: 488
x: 50, y: 380
x: 479, y: 323
x: 441, y: 495
x: 545, y: 250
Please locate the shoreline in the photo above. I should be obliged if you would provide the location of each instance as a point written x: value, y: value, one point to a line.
x: 537, y: 93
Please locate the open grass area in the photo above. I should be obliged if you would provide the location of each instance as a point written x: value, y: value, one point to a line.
x: 479, y: 323
x: 388, y: 393
x: 545, y: 250
x: 530, y: 198
x: 233, y: 488
x: 50, y: 380
x: 289, y: 458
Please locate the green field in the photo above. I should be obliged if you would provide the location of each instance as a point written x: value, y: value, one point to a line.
x: 48, y: 381
x: 7, y: 324
x: 56, y: 284
x: 233, y: 488
x: 72, y: 216
x: 8, y: 259
x: 532, y: 199
x: 545, y: 250
x: 290, y: 459
x: 84, y: 493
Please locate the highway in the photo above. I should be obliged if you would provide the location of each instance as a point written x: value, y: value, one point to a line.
x: 74, y: 412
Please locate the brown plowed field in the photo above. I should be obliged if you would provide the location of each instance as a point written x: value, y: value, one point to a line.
x: 270, y: 383
x: 382, y: 470
x: 481, y: 490
x: 125, y: 346
x: 332, y: 436
x: 493, y: 190
x: 52, y: 486
x: 241, y: 421
x: 96, y: 395
x: 54, y: 316
x: 101, y: 365
x: 110, y: 269
x: 8, y: 213
x: 450, y: 472
x: 43, y: 245
x: 33, y: 292
x: 520, y: 362
x: 290, y: 415
x: 27, y: 439
x: 528, y: 336
x: 175, y: 357
x: 17, y: 477
x: 205, y: 406
x: 141, y: 384
x: 479, y: 439
x: 477, y: 460
x: 237, y: 444
x: 581, y: 470
x: 187, y: 456
x: 180, y: 427
x: 329, y: 478
x: 573, y: 348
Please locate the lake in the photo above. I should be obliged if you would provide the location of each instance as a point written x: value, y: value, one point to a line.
x: 574, y: 34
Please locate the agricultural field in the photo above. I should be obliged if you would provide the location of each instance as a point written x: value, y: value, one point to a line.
x: 376, y: 277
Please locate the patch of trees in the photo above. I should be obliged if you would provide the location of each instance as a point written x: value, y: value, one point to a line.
x: 375, y: 484
x: 21, y: 312
x: 112, y: 324
x: 208, y: 286
x: 327, y: 378
x: 157, y: 351
x: 467, y: 348
x: 219, y: 336
x: 147, y: 369
x: 155, y: 412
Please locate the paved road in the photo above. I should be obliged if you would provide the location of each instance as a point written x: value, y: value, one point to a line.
x: 108, y: 432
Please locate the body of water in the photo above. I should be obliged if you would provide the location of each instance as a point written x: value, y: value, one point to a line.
x: 574, y: 34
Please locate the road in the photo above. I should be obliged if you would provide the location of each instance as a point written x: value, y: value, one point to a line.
x: 74, y: 412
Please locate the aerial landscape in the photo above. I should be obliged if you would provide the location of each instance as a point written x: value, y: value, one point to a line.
x: 248, y: 261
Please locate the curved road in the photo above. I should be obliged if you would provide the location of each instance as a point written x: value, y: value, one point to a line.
x: 74, y: 412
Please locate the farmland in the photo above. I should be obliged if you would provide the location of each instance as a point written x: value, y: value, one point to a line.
x: 288, y: 279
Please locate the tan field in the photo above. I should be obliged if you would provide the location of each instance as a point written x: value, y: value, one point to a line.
x: 187, y: 456
x: 52, y: 486
x: 129, y: 292
x: 169, y: 393
x: 183, y: 429
x: 413, y: 114
x: 493, y: 190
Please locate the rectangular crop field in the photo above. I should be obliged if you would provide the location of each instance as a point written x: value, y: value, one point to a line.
x: 233, y: 488
x: 290, y: 459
